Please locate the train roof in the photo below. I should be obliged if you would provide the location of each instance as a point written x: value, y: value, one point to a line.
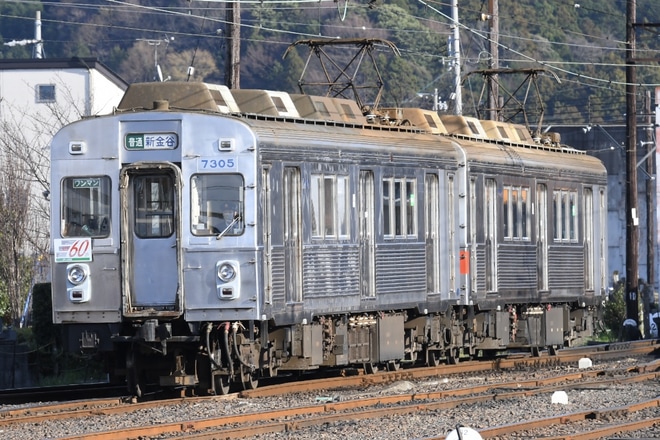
x: 199, y: 96
x: 487, y: 142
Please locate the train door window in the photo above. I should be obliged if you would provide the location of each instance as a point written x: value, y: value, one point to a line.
x: 542, y: 234
x: 399, y: 207
x: 85, y: 207
x: 432, y: 233
x: 588, y: 238
x: 217, y: 204
x: 451, y: 230
x: 267, y: 234
x: 153, y: 200
x: 515, y: 212
x: 566, y: 216
x: 602, y: 232
x: 366, y: 234
x: 292, y: 234
x: 473, y: 233
x: 490, y: 198
x: 330, y: 206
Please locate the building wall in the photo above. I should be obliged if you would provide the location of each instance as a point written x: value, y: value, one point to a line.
x: 78, y: 92
x: 105, y: 94
x: 30, y: 116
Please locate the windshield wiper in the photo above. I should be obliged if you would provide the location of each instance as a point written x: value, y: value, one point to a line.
x: 237, y: 218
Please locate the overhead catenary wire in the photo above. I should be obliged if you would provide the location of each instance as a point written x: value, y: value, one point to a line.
x: 300, y: 3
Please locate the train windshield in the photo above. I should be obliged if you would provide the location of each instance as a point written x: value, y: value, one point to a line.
x: 86, y: 207
x: 216, y: 204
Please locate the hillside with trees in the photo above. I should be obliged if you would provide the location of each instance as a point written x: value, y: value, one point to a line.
x: 580, y: 46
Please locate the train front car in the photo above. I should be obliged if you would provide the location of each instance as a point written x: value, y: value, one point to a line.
x: 154, y: 238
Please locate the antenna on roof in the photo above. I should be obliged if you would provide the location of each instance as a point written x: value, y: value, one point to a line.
x: 155, y: 44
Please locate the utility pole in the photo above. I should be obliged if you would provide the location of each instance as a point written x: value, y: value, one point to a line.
x: 493, y: 95
x: 650, y: 218
x: 456, y: 56
x: 632, y: 213
x: 233, y: 62
x: 38, y: 50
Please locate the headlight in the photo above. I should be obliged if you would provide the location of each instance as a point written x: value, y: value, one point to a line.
x: 76, y: 275
x: 226, y: 272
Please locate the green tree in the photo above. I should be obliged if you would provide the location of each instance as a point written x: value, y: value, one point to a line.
x: 615, y: 311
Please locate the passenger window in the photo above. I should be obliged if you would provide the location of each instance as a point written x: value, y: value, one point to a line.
x: 515, y: 213
x: 85, y: 207
x: 217, y: 204
x: 399, y: 208
x: 566, y: 216
x: 329, y: 197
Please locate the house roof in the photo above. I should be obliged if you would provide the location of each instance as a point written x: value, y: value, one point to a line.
x: 62, y: 64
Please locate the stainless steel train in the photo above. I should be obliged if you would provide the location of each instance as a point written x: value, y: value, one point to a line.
x: 204, y: 237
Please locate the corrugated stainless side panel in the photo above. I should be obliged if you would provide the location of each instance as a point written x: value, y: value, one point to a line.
x: 331, y: 271
x: 566, y: 267
x: 481, y: 269
x: 400, y: 270
x: 278, y: 280
x: 517, y: 267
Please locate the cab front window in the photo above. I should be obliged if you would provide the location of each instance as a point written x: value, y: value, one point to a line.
x: 216, y: 204
x: 85, y: 207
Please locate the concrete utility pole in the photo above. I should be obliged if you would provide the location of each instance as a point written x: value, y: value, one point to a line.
x: 632, y: 212
x: 233, y: 62
x: 456, y: 56
x: 493, y: 96
x: 38, y: 51
x: 650, y: 218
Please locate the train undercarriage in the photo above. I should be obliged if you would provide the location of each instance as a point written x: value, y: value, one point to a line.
x: 219, y: 356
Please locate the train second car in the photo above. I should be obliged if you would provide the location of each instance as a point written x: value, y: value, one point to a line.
x: 204, y: 237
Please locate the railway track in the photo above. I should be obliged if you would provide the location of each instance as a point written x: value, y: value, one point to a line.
x: 19, y: 396
x: 328, y: 408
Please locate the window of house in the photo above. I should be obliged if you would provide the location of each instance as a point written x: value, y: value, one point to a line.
x: 46, y: 93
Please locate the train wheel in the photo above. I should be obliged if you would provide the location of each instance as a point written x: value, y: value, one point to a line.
x: 452, y: 356
x: 432, y: 358
x: 370, y: 368
x: 133, y: 375
x: 249, y: 378
x: 221, y: 384
x: 393, y: 366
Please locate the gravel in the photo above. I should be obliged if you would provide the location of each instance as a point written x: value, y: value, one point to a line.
x: 410, y: 426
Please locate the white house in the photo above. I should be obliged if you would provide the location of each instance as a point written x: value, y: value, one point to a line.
x: 37, y: 98
x: 41, y: 95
